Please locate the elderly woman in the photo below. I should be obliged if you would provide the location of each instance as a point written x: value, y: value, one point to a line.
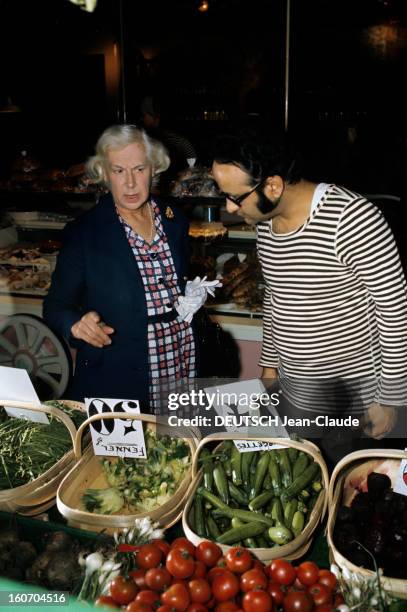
x: 116, y: 291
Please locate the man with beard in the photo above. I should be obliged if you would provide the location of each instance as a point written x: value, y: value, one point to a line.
x: 335, y: 305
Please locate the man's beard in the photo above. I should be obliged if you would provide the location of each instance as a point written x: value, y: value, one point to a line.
x: 265, y: 205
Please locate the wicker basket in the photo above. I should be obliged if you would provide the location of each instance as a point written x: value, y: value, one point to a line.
x: 343, y: 469
x: 297, y: 547
x: 88, y: 473
x: 32, y: 497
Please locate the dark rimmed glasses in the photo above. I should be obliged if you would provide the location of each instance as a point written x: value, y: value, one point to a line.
x: 237, y: 200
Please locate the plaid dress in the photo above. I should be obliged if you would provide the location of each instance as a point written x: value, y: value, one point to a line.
x: 171, y: 347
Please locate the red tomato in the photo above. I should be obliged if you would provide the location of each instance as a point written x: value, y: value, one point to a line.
x: 208, y: 553
x: 158, y: 578
x: 199, y: 590
x: 257, y: 601
x: 151, y: 598
x: 258, y: 565
x: 276, y: 592
x: 162, y: 545
x: 222, y: 562
x: 137, y: 606
x: 320, y: 594
x: 164, y: 608
x: 238, y: 560
x: 327, y: 578
x: 298, y: 601
x: 308, y: 573
x: 149, y: 556
x: 184, y: 544
x: 324, y: 608
x: 197, y: 607
x: 123, y: 590
x: 177, y: 597
x: 339, y: 600
x: 213, y: 572
x: 105, y: 601
x: 180, y: 563
x: 227, y: 606
x: 283, y: 572
x: 253, y: 579
x: 298, y: 586
x: 200, y: 570
x: 225, y: 586
x: 139, y: 577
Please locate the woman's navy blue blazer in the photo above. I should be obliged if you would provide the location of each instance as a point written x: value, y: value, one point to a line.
x: 96, y: 270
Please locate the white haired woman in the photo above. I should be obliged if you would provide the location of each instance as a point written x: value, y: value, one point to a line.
x: 119, y: 277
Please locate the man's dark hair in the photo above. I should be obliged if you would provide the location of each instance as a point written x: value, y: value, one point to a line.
x: 260, y: 156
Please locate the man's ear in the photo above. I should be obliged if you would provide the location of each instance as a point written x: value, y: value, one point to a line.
x: 274, y: 187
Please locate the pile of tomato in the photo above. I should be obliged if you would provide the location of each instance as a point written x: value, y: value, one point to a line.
x: 183, y: 578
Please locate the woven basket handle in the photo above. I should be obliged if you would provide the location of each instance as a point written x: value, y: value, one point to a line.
x: 56, y: 412
x: 366, y: 454
x: 146, y: 418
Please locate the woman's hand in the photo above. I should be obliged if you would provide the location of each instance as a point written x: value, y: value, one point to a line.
x: 91, y: 329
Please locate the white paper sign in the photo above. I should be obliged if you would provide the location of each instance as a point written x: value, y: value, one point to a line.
x: 16, y: 386
x: 401, y: 481
x: 116, y: 437
x: 248, y: 446
x: 235, y: 402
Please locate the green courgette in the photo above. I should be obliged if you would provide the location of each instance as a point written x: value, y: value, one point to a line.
x: 241, y: 533
x: 301, y: 482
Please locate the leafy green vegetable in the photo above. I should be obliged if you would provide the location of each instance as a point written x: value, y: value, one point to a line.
x: 146, y: 484
x: 103, y: 501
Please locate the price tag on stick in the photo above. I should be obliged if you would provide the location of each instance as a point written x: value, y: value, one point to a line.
x: 116, y: 437
x: 16, y: 386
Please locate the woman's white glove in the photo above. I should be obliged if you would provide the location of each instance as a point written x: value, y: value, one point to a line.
x: 196, y: 292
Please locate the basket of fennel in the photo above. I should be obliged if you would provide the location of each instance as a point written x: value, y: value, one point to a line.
x: 111, y: 492
x: 34, y: 457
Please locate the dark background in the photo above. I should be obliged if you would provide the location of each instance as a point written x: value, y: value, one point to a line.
x: 211, y: 71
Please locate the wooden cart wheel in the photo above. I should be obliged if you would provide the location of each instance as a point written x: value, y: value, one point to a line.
x: 27, y: 343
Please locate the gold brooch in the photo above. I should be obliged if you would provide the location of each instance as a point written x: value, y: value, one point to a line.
x: 169, y: 213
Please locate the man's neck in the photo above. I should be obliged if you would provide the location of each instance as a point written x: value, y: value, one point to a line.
x: 294, y: 207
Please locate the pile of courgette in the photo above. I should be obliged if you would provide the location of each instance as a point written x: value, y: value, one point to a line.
x: 257, y: 499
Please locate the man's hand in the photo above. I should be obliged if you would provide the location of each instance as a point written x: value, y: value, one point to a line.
x: 269, y: 373
x: 92, y: 330
x: 379, y: 420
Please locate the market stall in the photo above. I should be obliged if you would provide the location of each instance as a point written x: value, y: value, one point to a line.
x: 224, y: 522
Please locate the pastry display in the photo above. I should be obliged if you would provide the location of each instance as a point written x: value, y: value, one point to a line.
x: 207, y: 229
x: 242, y: 282
x: 195, y: 182
x: 20, y: 279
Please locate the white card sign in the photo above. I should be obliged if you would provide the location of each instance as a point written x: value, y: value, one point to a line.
x: 248, y: 446
x: 116, y: 437
x: 401, y: 481
x: 16, y: 386
x: 234, y: 403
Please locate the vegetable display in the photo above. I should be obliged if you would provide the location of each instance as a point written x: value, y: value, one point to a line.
x: 29, y: 449
x: 374, y: 528
x: 259, y: 499
x: 141, y: 485
x: 183, y: 578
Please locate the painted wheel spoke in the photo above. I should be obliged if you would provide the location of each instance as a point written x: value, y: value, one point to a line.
x: 47, y: 378
x: 47, y: 361
x: 36, y: 345
x: 21, y: 334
